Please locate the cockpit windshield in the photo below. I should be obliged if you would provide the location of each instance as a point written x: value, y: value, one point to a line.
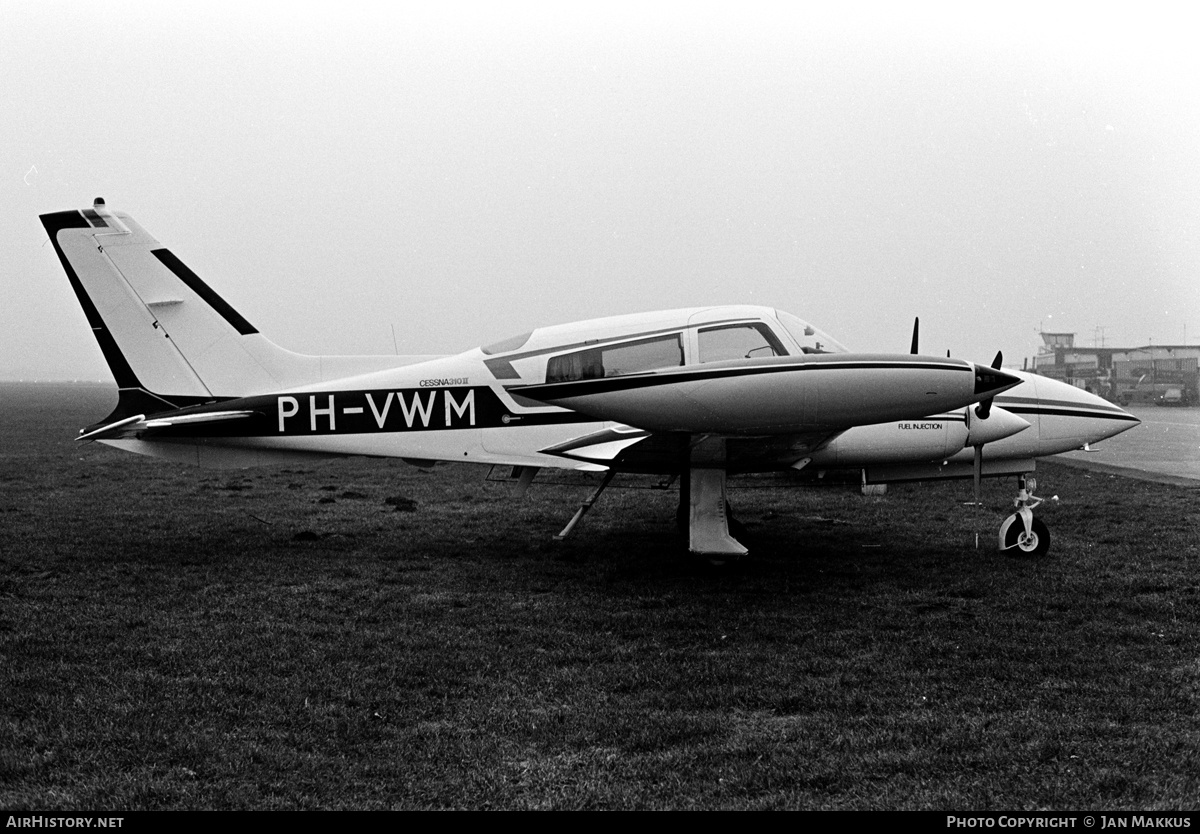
x: 810, y: 339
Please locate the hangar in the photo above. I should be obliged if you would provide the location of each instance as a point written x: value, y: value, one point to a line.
x: 1158, y: 374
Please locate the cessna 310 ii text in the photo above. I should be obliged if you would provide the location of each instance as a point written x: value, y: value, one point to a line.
x: 694, y: 393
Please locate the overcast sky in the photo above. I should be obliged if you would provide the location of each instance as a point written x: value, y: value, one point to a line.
x: 462, y: 173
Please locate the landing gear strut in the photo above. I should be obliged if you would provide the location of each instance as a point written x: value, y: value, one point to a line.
x: 708, y: 520
x: 1021, y: 531
x: 585, y: 506
x: 703, y: 507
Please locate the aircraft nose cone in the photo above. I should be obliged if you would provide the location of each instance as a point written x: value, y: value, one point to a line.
x: 1111, y: 419
x: 1069, y: 417
x: 989, y: 381
x: 1131, y: 419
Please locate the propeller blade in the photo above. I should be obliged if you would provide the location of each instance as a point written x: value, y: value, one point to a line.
x: 985, y: 406
x: 978, y: 478
x: 916, y: 328
x: 978, y: 471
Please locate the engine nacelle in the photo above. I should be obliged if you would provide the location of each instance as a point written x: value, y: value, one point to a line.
x: 917, y: 441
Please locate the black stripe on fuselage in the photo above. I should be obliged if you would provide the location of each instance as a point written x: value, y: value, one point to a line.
x: 1071, y: 412
x: 1011, y: 403
x: 585, y: 387
x: 179, y: 268
x: 378, y: 411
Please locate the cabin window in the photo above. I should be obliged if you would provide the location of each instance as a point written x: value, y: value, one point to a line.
x: 615, y: 360
x: 739, y: 341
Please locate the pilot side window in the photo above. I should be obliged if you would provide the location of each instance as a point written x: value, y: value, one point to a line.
x: 627, y: 358
x: 738, y: 341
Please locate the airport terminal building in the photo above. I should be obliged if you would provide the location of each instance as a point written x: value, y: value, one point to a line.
x: 1158, y: 374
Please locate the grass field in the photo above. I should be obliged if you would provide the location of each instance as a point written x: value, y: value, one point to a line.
x: 365, y: 635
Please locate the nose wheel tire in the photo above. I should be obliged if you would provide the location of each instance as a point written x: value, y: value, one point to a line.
x: 1013, y: 537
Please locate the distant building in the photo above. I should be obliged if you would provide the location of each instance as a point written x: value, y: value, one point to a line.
x: 1162, y: 374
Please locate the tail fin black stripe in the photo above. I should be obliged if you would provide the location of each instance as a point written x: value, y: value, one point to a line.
x: 121, y: 371
x: 202, y: 289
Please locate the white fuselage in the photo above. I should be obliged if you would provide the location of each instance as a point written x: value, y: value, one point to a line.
x: 687, y: 371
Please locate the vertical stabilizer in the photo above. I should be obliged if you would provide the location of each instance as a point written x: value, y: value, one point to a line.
x: 170, y: 339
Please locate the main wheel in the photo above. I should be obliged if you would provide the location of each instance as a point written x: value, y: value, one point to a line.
x: 1013, y: 538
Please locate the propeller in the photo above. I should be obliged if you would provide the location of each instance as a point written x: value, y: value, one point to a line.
x: 983, y: 411
x: 984, y: 407
x: 978, y: 471
x: 916, y: 333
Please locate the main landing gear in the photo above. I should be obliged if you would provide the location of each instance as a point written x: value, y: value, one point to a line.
x: 702, y: 497
x: 1021, y: 532
x: 703, y: 503
x: 703, y: 510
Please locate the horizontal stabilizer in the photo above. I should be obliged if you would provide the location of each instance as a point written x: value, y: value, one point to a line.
x: 112, y: 429
x: 191, y: 419
x: 138, y: 424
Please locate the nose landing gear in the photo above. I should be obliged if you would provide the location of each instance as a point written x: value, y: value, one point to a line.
x: 1021, y: 531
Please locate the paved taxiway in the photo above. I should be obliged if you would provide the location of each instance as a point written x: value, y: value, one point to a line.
x: 1164, y: 448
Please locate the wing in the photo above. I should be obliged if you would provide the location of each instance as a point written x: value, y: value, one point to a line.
x: 631, y: 449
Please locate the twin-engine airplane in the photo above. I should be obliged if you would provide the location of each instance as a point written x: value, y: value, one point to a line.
x: 695, y: 393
